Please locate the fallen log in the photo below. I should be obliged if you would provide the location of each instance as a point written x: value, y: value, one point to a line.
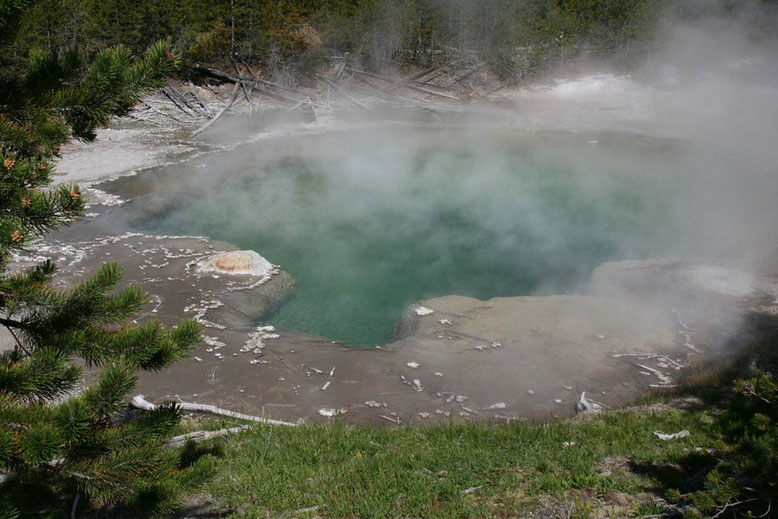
x: 432, y: 76
x: 139, y: 402
x: 471, y: 72
x: 243, y: 85
x: 220, y: 113
x: 153, y: 109
x: 369, y: 74
x: 405, y: 83
x: 232, y: 78
x: 431, y: 92
x: 339, y: 70
x: 423, y: 73
x: 205, y: 106
x: 345, y: 94
x: 179, y: 100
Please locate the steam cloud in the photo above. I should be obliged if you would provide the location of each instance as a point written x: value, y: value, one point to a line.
x: 703, y: 111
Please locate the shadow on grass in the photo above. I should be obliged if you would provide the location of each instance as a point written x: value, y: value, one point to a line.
x: 155, y: 501
x: 687, y: 474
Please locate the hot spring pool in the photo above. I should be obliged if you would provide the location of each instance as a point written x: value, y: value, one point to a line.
x: 371, y: 221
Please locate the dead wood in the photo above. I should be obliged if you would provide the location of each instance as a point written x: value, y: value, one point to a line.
x: 199, y: 101
x: 153, y: 109
x: 431, y: 92
x: 232, y: 78
x: 220, y: 113
x: 243, y: 86
x: 176, y: 442
x: 406, y: 83
x: 139, y: 402
x: 345, y: 94
x: 423, y: 73
x: 178, y: 99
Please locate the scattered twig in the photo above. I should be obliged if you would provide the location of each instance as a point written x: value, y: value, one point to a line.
x: 732, y: 504
x: 769, y: 506
x: 75, y: 505
x: 19, y: 343
x: 177, y: 442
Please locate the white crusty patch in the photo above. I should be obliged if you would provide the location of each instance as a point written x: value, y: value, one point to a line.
x: 237, y: 263
x: 423, y: 310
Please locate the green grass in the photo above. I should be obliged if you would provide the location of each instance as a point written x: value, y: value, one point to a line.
x: 350, y: 471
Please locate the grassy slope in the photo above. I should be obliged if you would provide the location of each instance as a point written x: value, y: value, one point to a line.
x: 410, y: 471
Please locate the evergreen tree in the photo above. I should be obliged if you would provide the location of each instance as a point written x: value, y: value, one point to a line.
x: 55, y: 444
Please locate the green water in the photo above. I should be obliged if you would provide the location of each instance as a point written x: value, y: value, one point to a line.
x: 370, y: 222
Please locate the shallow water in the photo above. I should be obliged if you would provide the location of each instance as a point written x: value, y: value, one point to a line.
x: 368, y: 222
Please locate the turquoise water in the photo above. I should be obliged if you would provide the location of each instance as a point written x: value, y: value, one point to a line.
x: 370, y: 222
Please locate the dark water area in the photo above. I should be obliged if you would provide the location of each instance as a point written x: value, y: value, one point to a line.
x: 371, y: 221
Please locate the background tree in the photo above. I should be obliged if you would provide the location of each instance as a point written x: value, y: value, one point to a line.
x: 516, y: 37
x: 55, y: 444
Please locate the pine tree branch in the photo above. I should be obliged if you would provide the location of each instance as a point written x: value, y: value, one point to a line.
x: 10, y: 323
x: 18, y: 342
